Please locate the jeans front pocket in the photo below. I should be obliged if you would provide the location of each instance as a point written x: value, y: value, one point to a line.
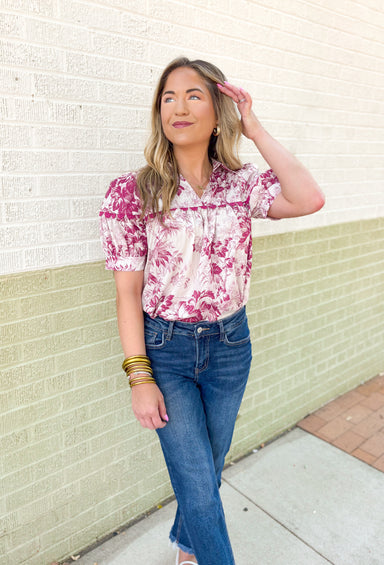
x: 237, y: 334
x: 154, y: 339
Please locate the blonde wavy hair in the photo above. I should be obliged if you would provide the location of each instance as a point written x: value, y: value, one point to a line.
x: 160, y: 177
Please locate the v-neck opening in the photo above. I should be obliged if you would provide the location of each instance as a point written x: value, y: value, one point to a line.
x: 200, y: 198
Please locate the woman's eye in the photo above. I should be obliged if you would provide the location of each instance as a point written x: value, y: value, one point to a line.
x: 168, y: 99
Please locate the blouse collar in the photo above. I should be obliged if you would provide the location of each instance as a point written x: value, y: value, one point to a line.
x: 217, y: 164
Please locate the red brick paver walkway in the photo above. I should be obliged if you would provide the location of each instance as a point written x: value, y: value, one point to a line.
x: 354, y: 422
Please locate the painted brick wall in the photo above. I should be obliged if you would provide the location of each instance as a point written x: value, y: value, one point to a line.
x: 317, y: 314
x: 73, y: 459
x: 76, y: 465
x: 75, y: 90
x: 76, y: 79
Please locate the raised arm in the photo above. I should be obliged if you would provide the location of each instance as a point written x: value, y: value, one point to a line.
x: 300, y: 194
x: 147, y: 399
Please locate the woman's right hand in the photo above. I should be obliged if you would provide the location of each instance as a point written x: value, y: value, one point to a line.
x: 148, y: 406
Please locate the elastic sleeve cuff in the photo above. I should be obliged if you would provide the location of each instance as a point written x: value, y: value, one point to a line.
x: 126, y: 264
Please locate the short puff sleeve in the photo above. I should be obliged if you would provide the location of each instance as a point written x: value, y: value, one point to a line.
x: 122, y: 230
x: 264, y: 188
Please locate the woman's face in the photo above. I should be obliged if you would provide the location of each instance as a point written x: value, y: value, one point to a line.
x: 187, y: 113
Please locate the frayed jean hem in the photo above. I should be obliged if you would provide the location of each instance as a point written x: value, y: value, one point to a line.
x: 176, y: 544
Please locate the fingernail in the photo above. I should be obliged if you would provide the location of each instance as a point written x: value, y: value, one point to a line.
x: 166, y: 418
x: 219, y: 85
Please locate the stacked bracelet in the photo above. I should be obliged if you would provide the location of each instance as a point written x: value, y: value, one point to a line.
x: 138, y: 370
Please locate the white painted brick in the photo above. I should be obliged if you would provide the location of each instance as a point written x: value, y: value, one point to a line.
x: 112, y: 116
x: 135, y: 161
x: 64, y: 87
x: 96, y: 161
x: 161, y: 31
x: 65, y: 138
x: 69, y: 185
x: 88, y: 15
x: 11, y: 262
x: 12, y: 25
x: 15, y: 137
x: 85, y: 208
x: 119, y: 46
x: 79, y: 230
x: 20, y: 236
x: 6, y: 109
x: 314, y: 71
x: 15, y: 82
x: 121, y: 138
x: 38, y: 210
x: 35, y: 161
x: 223, y: 7
x: 39, y: 257
x: 18, y: 187
x: 92, y: 66
x: 141, y: 73
x: 179, y: 12
x: 135, y: 25
x: 126, y: 93
x: 31, y: 56
x: 47, y: 111
x: 133, y: 7
x: 58, y: 35
x: 71, y: 253
x: 40, y: 7
x: 93, y: 250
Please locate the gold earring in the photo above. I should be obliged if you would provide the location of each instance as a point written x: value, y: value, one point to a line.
x: 216, y: 131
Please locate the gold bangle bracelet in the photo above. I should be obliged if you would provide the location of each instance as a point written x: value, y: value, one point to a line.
x: 128, y: 365
x: 131, y: 363
x: 138, y: 369
x: 143, y: 361
x: 142, y: 383
x: 136, y: 358
x: 142, y: 379
x: 130, y: 368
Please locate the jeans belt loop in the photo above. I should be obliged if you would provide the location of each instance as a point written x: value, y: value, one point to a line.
x: 222, y: 333
x: 170, y: 330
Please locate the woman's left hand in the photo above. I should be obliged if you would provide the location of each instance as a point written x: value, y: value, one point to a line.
x: 249, y: 122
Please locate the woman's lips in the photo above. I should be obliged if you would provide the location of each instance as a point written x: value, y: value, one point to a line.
x: 181, y: 124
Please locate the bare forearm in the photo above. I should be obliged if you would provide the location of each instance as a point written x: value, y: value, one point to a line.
x: 131, y: 324
x: 130, y: 320
x: 297, y: 183
x: 147, y: 399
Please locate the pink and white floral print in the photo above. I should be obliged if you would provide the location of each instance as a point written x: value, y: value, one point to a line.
x: 197, y: 264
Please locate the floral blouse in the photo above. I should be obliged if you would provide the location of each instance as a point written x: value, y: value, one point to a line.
x: 197, y: 265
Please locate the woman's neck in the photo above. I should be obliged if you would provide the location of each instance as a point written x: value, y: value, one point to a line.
x: 194, y: 164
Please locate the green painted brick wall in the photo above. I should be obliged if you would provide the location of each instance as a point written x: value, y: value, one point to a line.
x: 75, y: 464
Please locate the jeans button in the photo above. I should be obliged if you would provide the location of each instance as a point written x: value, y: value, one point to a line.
x: 199, y: 330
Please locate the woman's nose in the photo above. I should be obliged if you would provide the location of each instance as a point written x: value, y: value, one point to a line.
x: 181, y: 107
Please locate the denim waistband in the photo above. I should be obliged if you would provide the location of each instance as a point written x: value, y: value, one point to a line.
x: 199, y: 329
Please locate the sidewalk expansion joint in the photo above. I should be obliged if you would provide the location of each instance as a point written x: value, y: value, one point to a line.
x: 277, y: 521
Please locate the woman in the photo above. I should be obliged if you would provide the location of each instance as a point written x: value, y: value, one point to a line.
x: 178, y: 236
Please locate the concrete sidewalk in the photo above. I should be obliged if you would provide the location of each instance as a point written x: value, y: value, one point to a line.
x: 298, y: 501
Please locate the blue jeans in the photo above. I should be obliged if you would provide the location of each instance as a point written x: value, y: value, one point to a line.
x: 202, y: 370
